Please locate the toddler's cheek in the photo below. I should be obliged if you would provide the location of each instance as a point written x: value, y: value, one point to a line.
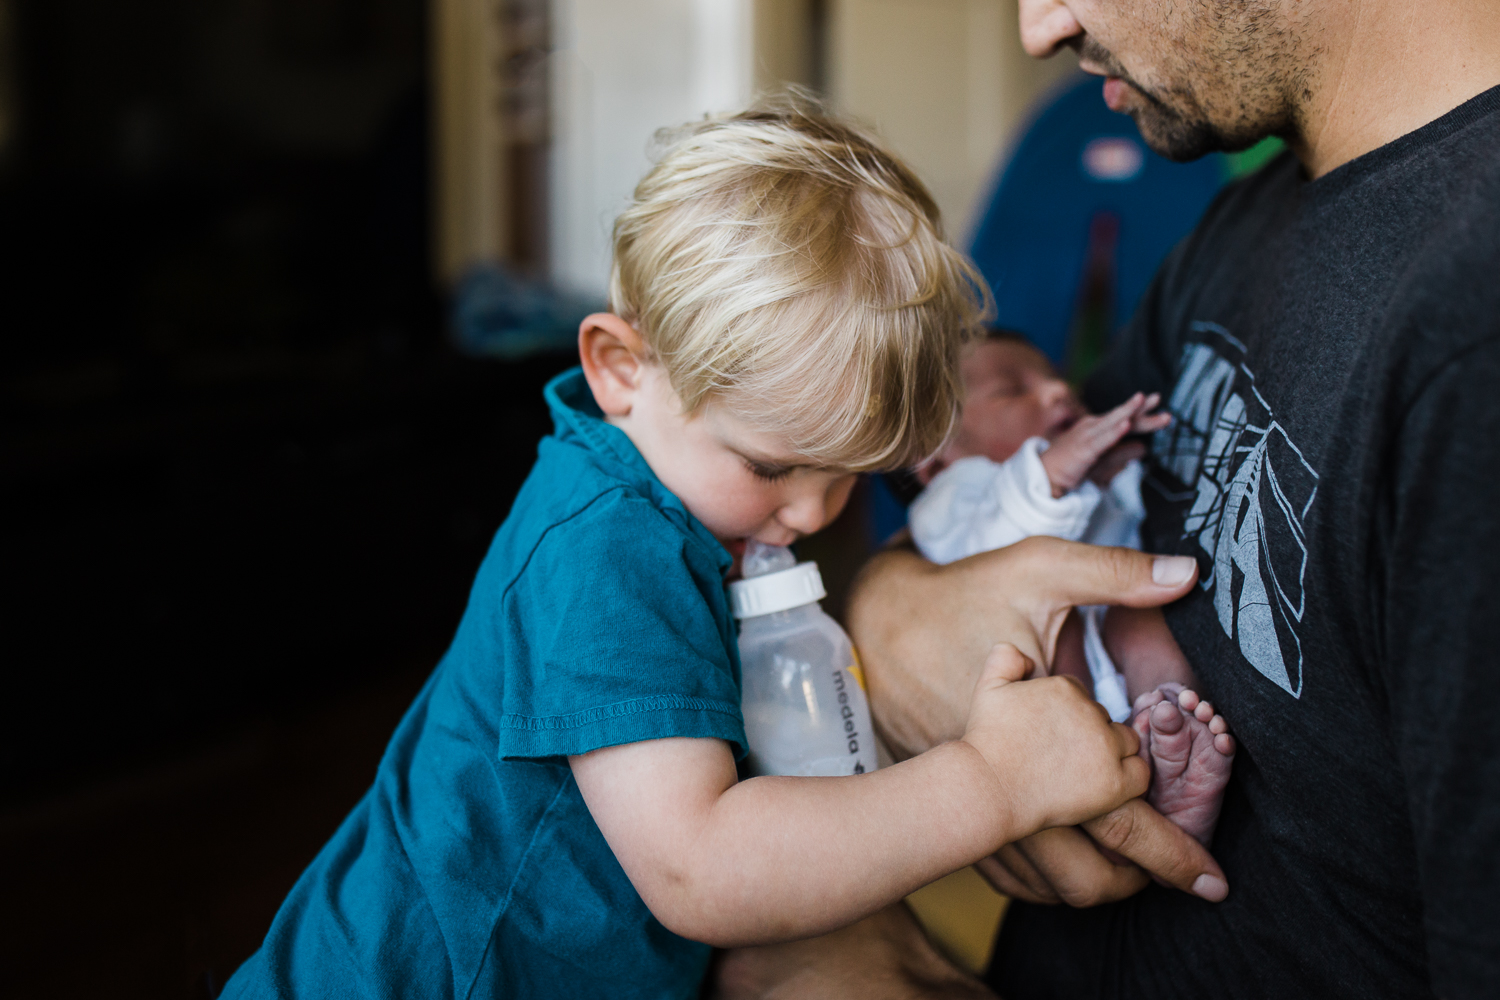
x: 734, y: 517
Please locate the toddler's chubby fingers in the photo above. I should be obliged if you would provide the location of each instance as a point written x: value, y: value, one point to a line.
x: 1004, y: 665
x: 1136, y: 775
x: 1129, y: 739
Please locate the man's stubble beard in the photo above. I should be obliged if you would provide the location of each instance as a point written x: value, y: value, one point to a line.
x: 1223, y: 95
x: 1174, y: 134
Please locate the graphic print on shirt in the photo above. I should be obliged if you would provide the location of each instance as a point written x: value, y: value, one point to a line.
x: 1251, y: 489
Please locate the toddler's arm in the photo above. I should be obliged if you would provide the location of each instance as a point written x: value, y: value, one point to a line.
x: 1088, y: 443
x: 769, y: 859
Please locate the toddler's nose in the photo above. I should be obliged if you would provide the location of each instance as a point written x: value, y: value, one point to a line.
x: 805, y: 514
x: 816, y: 502
x: 802, y: 517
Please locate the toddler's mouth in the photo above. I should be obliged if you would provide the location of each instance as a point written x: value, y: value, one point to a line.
x: 736, y: 548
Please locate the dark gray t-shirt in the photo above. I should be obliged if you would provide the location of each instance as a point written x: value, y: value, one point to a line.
x: 1331, y: 351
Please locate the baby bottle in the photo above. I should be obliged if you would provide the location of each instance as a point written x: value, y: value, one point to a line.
x: 804, y: 697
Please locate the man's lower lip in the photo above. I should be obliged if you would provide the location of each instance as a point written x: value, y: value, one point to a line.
x: 1114, y: 93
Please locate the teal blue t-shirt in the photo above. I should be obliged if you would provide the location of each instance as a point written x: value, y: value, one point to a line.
x: 472, y: 867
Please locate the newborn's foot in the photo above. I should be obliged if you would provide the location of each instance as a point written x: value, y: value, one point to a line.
x: 1190, y: 752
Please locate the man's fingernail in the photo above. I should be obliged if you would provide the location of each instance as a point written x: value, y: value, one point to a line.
x: 1210, y: 888
x: 1169, y: 571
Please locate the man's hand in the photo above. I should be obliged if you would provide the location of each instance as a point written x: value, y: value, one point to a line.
x: 924, y: 633
x: 1064, y: 865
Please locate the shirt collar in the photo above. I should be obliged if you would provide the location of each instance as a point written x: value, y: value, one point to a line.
x: 577, y: 420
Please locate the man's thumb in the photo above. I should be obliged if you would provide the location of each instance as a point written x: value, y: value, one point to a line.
x: 1070, y: 573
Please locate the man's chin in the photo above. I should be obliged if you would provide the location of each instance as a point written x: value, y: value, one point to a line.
x: 1174, y: 137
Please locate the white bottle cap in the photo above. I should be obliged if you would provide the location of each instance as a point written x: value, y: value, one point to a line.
x: 780, y: 591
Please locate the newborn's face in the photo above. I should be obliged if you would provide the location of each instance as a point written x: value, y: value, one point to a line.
x: 1011, y: 393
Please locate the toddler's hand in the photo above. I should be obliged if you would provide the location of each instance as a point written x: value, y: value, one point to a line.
x: 1081, y: 447
x: 1056, y: 757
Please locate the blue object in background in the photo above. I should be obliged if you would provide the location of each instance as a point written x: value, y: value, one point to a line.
x: 499, y: 314
x: 1081, y: 168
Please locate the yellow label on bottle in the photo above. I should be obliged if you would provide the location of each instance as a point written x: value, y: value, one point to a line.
x: 857, y: 670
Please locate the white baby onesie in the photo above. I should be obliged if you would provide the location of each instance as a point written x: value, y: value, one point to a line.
x: 976, y: 505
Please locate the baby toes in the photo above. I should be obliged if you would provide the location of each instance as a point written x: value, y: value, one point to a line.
x: 1147, y: 700
x: 1191, y: 753
x: 1166, y: 719
x: 1171, y: 741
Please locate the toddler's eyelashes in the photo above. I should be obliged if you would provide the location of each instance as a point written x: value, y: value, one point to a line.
x: 770, y: 473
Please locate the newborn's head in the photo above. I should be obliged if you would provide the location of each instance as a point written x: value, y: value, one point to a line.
x: 1011, y: 393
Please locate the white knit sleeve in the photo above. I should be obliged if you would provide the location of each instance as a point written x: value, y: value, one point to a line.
x: 976, y: 505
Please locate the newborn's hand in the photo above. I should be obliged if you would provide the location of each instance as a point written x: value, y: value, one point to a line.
x: 1056, y: 757
x: 1089, y: 442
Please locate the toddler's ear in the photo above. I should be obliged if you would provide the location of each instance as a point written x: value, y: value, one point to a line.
x: 611, y: 352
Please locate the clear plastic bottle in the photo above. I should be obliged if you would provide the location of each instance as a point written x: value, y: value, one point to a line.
x: 804, y: 700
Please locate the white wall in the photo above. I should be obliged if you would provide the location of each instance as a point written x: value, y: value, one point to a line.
x: 945, y: 82
x: 621, y: 70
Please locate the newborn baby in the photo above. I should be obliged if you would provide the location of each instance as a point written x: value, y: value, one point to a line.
x: 1027, y: 459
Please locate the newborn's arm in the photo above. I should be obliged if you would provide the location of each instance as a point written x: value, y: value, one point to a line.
x: 773, y: 859
x: 1077, y: 451
x: 1139, y: 643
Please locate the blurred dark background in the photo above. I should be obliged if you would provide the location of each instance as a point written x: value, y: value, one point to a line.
x: 248, y: 481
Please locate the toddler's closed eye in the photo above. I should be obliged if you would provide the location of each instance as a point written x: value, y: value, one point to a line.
x: 770, y: 473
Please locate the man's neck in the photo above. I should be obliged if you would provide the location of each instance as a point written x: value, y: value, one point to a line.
x: 1383, y: 68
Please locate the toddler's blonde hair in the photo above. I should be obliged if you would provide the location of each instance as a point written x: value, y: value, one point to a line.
x: 782, y: 264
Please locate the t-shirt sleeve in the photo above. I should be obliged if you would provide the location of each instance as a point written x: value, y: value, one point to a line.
x: 1441, y: 632
x: 613, y: 635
